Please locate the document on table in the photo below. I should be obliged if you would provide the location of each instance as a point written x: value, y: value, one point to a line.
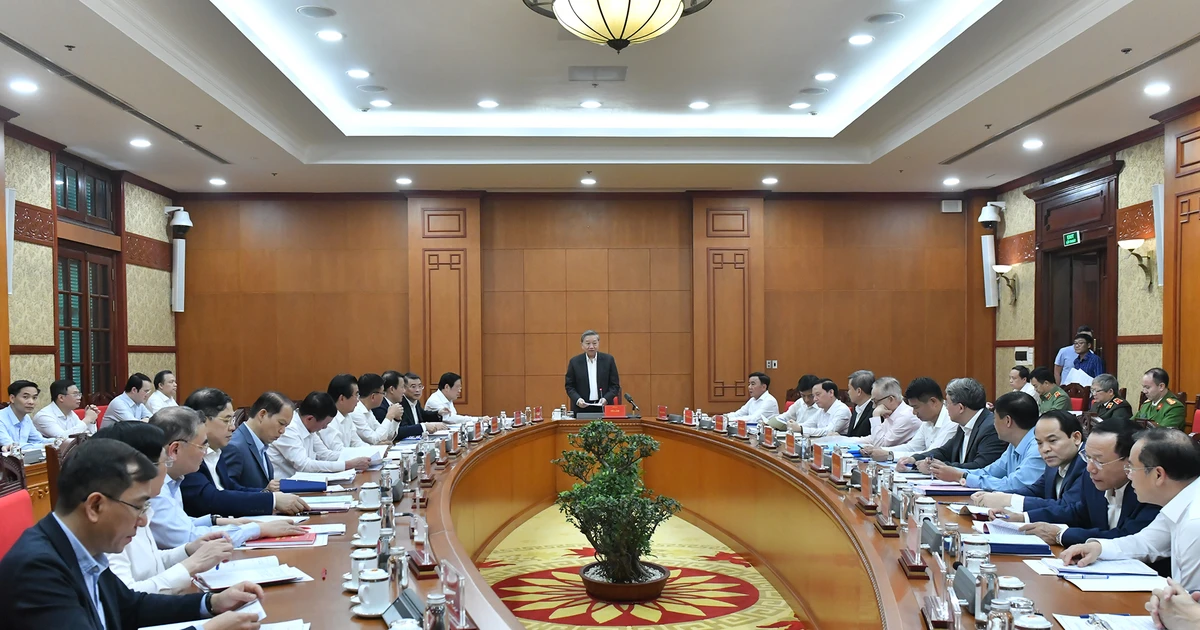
x: 1102, y: 567
x: 265, y: 570
x: 966, y: 508
x: 344, y: 476
x: 329, y: 501
x: 332, y: 529
x: 253, y: 607
x: 1118, y: 583
x: 295, y: 520
x: 1116, y: 622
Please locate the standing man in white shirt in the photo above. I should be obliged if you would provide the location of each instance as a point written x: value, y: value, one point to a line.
x: 592, y: 377
x: 131, y: 404
x: 802, y: 408
x: 16, y: 428
x: 58, y: 419
x: 1163, y: 468
x: 832, y: 417
x: 925, y: 398
x: 893, y: 421
x: 762, y: 405
x: 1018, y: 379
x: 165, y: 388
x: 299, y: 449
x: 449, y: 389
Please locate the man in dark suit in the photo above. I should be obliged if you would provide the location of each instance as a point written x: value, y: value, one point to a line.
x: 592, y: 376
x: 1059, y: 436
x: 859, y: 391
x: 203, y: 491
x: 1108, y: 506
x: 57, y: 576
x: 244, y: 464
x: 393, y: 393
x: 975, y: 443
x: 416, y: 419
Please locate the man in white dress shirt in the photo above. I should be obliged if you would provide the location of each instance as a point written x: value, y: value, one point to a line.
x: 165, y: 388
x: 832, y: 417
x: 16, y: 428
x: 130, y: 405
x: 449, y: 389
x: 762, y: 405
x: 1018, y: 379
x: 893, y: 422
x: 300, y: 450
x: 370, y: 396
x: 58, y: 419
x: 924, y: 397
x: 1163, y: 468
x: 340, y: 433
x: 802, y: 408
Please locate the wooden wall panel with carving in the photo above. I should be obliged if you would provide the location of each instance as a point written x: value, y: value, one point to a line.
x: 34, y: 225
x: 445, y: 314
x: 146, y: 252
x: 1136, y: 221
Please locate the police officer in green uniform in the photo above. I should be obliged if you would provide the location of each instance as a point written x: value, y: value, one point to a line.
x: 1161, y: 406
x: 1050, y: 395
x: 1106, y: 404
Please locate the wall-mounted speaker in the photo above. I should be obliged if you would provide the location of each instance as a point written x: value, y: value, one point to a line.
x: 952, y: 206
x: 1156, y: 198
x: 178, y: 260
x: 990, y: 288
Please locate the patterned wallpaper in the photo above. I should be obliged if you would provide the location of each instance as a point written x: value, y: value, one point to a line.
x: 144, y: 212
x: 27, y: 168
x: 1016, y: 322
x: 1144, y: 166
x: 1005, y: 359
x: 1133, y: 361
x: 1019, y: 213
x: 38, y: 368
x: 31, y: 305
x: 1139, y: 309
x: 151, y: 363
x: 148, y: 299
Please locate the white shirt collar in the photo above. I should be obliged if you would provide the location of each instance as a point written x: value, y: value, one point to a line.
x: 1175, y: 507
x: 971, y: 425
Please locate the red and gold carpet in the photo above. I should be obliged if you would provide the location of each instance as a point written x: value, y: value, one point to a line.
x: 535, y: 570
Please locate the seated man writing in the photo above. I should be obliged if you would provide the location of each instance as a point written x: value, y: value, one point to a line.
x: 1059, y: 436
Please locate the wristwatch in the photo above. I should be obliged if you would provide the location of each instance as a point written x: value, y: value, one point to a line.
x: 208, y: 602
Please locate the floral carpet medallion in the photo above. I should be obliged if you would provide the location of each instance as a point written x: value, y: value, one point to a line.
x: 535, y: 571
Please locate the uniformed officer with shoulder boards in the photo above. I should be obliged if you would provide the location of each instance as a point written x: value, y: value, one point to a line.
x: 1161, y: 407
x: 1050, y: 395
x: 1105, y: 402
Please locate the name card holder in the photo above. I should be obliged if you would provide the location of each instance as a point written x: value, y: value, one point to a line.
x: 615, y: 411
x: 494, y: 426
x: 884, y: 520
x: 688, y: 417
x: 453, y: 448
x: 443, y: 457
x: 662, y: 412
x: 518, y: 419
x: 768, y: 436
x: 836, y: 478
x: 910, y: 557
x: 742, y: 431
x: 423, y: 563
x: 818, y: 461
x: 537, y: 414
x: 866, y: 496
x: 934, y: 604
x: 719, y: 423
x: 789, y: 446
x: 477, y: 436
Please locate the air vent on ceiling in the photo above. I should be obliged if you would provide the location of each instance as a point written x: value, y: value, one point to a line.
x: 952, y: 206
x: 314, y: 11
x: 814, y: 91
x: 99, y: 93
x: 596, y: 74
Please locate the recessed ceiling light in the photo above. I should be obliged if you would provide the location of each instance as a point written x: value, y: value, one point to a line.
x: 770, y: 181
x: 358, y: 74
x: 488, y: 104
x: 380, y: 103
x: 403, y: 181
x: 330, y: 36
x: 217, y: 181
x: 950, y: 181
x: 799, y: 105
x: 698, y: 105
x: 588, y: 181
x: 825, y: 76
x: 861, y: 40
x: 140, y: 143
x: 1033, y: 144
x: 590, y: 104
x: 1157, y: 89
x: 314, y: 11
x: 23, y: 86
x: 885, y: 18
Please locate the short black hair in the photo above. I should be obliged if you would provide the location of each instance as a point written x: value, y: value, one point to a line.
x: 273, y: 402
x: 1043, y: 374
x: 1067, y: 421
x: 16, y: 386
x: 370, y: 383
x: 135, y: 382
x: 1125, y: 430
x: 806, y: 382
x: 1022, y: 372
x: 1084, y: 329
x: 1019, y: 406
x: 828, y: 386
x: 923, y: 389
x: 161, y: 377
x: 99, y: 465
x: 148, y: 439
x: 1171, y: 449
x: 1158, y: 374
x: 391, y: 378
x: 762, y: 378
x: 413, y: 376
x: 208, y: 401
x: 341, y: 386
x: 448, y: 380
x: 178, y: 424
x: 59, y: 388
x: 318, y: 405
x: 1086, y: 337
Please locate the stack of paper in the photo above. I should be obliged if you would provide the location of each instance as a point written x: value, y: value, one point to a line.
x: 253, y: 607
x: 294, y: 520
x: 936, y: 487
x: 266, y: 570
x: 331, y: 503
x: 289, y: 542
x: 374, y: 453
x: 1012, y: 544
x: 998, y: 526
x: 330, y: 529
x: 1116, y: 622
x: 965, y: 509
x: 343, y: 476
x: 1100, y: 567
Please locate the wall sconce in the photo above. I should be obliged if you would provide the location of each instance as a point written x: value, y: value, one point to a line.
x: 1002, y: 274
x: 1143, y: 261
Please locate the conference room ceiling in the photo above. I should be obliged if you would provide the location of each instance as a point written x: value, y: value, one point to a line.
x: 274, y: 100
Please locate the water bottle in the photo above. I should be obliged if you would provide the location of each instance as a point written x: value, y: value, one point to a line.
x: 435, y: 612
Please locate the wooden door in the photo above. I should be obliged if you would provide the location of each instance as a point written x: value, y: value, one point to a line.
x: 1076, y: 285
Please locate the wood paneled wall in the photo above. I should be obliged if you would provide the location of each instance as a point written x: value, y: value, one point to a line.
x: 1181, y: 290
x: 556, y: 266
x: 283, y: 294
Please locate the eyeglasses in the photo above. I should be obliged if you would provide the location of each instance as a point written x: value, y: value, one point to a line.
x: 203, y: 447
x: 879, y: 401
x: 1129, y: 468
x: 1098, y: 464
x: 141, y: 511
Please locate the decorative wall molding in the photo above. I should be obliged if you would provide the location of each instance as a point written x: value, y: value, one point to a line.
x: 727, y: 222
x: 146, y: 252
x: 1187, y: 153
x: 29, y: 137
x: 445, y: 317
x: 32, y: 350
x: 1136, y: 221
x: 1111, y: 148
x: 444, y: 222
x: 34, y: 225
x: 1188, y: 203
x: 729, y: 322
x: 1013, y: 343
x: 152, y: 349
x: 1016, y: 249
x: 1139, y: 339
x: 142, y: 182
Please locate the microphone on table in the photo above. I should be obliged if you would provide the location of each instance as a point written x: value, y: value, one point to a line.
x: 629, y: 399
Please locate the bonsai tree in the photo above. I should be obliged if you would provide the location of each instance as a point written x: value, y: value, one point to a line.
x: 610, y: 505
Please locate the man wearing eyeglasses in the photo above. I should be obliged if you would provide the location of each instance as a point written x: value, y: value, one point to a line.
x: 893, y: 421
x: 1107, y: 506
x: 1105, y: 403
x: 1163, y: 467
x: 58, y: 419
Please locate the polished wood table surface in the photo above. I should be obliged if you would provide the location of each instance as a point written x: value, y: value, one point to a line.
x: 822, y: 554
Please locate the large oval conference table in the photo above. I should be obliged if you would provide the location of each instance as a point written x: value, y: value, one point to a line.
x: 807, y: 538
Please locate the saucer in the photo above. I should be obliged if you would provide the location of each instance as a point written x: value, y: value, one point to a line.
x: 347, y: 586
x: 359, y: 612
x: 369, y: 508
x: 354, y: 600
x: 362, y: 544
x: 356, y: 536
x: 346, y: 576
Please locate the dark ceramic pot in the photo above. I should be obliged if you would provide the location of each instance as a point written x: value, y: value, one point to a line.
x: 625, y: 593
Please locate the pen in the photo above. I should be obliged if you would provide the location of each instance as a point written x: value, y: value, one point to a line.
x: 323, y: 571
x: 1003, y: 516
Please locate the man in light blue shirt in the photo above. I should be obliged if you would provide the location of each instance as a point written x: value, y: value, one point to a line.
x: 1020, y: 467
x: 16, y: 429
x: 186, y: 447
x: 131, y: 405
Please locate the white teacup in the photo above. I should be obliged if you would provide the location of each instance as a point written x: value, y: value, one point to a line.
x: 374, y: 591
x: 368, y: 528
x: 362, y: 560
x: 368, y: 494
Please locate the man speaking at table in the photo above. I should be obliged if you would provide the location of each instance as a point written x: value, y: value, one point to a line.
x: 592, y: 377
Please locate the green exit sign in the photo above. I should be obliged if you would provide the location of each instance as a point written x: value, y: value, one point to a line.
x: 1071, y: 238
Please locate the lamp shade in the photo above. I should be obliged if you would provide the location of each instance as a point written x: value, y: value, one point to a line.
x: 618, y: 23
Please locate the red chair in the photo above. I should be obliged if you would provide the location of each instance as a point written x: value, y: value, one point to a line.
x: 99, y: 418
x: 16, y: 506
x: 1080, y: 396
x: 789, y: 405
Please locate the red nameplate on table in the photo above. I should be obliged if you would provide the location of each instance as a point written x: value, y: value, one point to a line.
x: 614, y: 411
x: 687, y: 416
x: 719, y: 424
x: 537, y: 414
x: 741, y: 430
x: 662, y: 412
x: 790, y: 445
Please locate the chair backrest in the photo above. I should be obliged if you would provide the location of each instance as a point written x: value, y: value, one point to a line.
x: 1081, y: 397
x: 241, y: 415
x: 12, y: 474
x: 1195, y: 419
x: 1121, y: 394
x: 792, y: 394
x: 16, y: 506
x: 54, y: 460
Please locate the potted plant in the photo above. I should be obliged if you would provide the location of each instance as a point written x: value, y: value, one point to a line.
x: 613, y: 509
